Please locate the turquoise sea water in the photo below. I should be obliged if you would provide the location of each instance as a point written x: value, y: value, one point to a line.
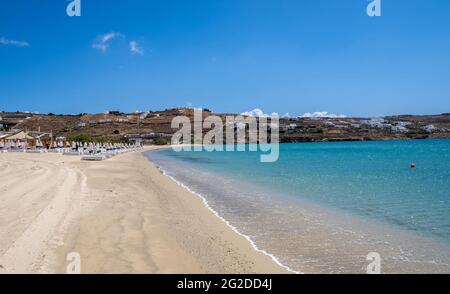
x: 363, y: 193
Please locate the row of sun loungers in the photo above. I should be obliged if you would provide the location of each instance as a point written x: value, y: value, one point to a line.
x: 99, y: 153
x: 88, y: 151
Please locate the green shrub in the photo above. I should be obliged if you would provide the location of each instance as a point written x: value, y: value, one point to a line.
x: 161, y: 140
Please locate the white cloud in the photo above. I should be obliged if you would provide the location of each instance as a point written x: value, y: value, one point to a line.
x: 322, y: 114
x: 4, y: 41
x: 135, y: 48
x: 258, y: 113
x: 102, y: 41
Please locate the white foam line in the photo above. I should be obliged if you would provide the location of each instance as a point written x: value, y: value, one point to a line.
x: 205, y: 202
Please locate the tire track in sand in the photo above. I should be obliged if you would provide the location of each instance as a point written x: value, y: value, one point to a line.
x: 28, y: 254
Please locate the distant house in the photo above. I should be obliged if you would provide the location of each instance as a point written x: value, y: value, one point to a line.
x: 143, y: 115
x: 430, y: 129
x: 121, y: 120
x: 376, y: 123
x: 292, y: 127
x: 146, y: 138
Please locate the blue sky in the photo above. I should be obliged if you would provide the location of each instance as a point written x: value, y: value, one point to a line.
x: 282, y: 56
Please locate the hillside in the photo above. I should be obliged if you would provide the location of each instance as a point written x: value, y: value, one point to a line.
x: 148, y: 125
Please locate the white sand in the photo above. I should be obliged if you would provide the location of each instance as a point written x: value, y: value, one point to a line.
x: 121, y: 215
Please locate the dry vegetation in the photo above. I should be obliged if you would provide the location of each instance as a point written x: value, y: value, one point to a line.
x: 118, y: 126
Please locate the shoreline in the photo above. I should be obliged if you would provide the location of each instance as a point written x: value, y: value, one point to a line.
x: 335, y: 232
x: 127, y: 215
x: 207, y: 206
x: 121, y: 215
x: 233, y: 228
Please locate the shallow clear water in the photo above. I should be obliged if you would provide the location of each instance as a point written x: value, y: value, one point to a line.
x: 323, y: 206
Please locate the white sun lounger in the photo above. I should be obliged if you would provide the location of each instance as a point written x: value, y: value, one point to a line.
x: 17, y: 150
x: 94, y: 158
x: 36, y: 151
x: 76, y: 153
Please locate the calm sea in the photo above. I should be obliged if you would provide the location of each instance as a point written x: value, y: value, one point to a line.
x: 322, y: 207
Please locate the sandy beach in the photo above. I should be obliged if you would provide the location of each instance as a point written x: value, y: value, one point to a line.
x: 121, y: 215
